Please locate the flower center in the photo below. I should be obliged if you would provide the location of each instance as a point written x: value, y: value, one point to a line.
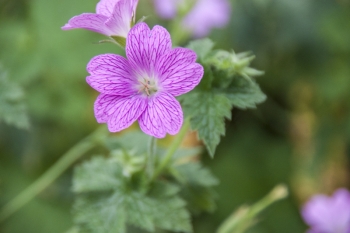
x: 147, y: 86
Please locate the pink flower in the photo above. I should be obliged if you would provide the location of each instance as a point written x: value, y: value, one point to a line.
x: 204, y: 16
x: 143, y: 86
x: 112, y: 18
x: 328, y: 214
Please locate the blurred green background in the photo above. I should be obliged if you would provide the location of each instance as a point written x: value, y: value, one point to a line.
x: 300, y: 136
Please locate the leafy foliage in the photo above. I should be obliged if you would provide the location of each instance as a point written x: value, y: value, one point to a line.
x: 197, y: 185
x: 12, y: 108
x: 109, y: 200
x: 228, y: 82
x: 201, y: 47
x: 98, y: 174
x: 208, y: 111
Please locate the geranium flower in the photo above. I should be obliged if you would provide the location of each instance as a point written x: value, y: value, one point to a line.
x: 205, y: 14
x: 112, y: 18
x: 328, y: 214
x: 143, y: 86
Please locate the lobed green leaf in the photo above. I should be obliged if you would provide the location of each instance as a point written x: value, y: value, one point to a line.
x: 108, y: 201
x: 228, y: 81
x: 98, y: 174
x: 208, y: 112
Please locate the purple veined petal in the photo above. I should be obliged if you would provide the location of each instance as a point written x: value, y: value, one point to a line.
x: 144, y: 47
x: 122, y: 16
x: 166, y: 9
x: 126, y: 110
x: 178, y: 72
x: 105, y: 7
x: 111, y: 74
x: 162, y: 115
x: 207, y: 14
x: 119, y: 111
x: 89, y: 21
x: 104, y: 107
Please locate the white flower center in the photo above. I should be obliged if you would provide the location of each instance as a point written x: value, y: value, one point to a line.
x: 147, y: 86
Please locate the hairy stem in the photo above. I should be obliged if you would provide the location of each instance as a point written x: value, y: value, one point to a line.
x: 172, y: 149
x: 53, y: 173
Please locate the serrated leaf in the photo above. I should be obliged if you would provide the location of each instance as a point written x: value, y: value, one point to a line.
x: 12, y: 108
x: 100, y: 213
x: 202, y: 47
x: 208, y: 112
x: 110, y: 212
x: 170, y: 211
x: 247, y: 96
x: 98, y: 174
x: 108, y: 201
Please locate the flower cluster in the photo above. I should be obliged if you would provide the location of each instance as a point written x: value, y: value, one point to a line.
x: 328, y: 214
x: 143, y: 86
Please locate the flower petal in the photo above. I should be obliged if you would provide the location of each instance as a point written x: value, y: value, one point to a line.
x: 178, y: 72
x: 89, y: 21
x: 105, y: 7
x: 104, y: 107
x: 144, y: 47
x: 110, y: 74
x: 121, y: 17
x: 162, y: 115
x: 126, y: 111
x: 119, y: 111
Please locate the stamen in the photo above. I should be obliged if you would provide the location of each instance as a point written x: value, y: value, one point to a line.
x: 147, y: 86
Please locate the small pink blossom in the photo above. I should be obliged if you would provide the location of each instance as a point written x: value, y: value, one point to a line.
x: 143, y: 86
x: 328, y: 214
x: 112, y: 18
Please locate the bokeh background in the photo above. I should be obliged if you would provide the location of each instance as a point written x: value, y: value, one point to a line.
x: 300, y: 136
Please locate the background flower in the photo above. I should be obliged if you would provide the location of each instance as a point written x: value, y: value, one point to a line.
x: 328, y: 214
x: 167, y: 9
x: 112, y: 18
x: 205, y: 14
x: 143, y: 86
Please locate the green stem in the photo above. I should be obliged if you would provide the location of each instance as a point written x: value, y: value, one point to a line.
x: 245, y: 217
x: 151, y: 155
x: 172, y: 149
x: 52, y: 174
